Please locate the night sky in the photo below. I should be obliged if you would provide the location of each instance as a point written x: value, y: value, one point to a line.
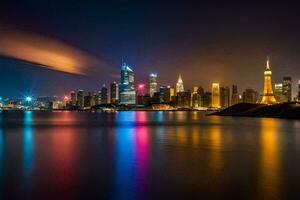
x: 205, y: 42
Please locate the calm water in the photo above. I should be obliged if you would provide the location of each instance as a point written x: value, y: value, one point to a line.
x: 147, y: 155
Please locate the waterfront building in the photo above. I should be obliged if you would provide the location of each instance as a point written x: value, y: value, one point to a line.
x: 57, y: 105
x: 287, y: 88
x: 268, y: 96
x: 250, y: 96
x: 195, y: 102
x: 201, y: 93
x: 140, y: 100
x: 73, y: 98
x: 96, y: 97
x: 298, y: 96
x: 156, y: 98
x: 207, y: 99
x: 183, y: 99
x: 152, y: 84
x: 179, y: 85
x: 127, y: 94
x: 172, y: 94
x: 87, y: 101
x: 224, y: 97
x: 104, y: 94
x: 165, y: 93
x: 140, y: 94
x: 141, y: 89
x: 114, y: 92
x: 234, y: 95
x: 80, y: 99
x: 278, y: 92
x: 215, y: 100
x: 92, y: 98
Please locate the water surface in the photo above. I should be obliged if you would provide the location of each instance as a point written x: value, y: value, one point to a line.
x: 147, y: 155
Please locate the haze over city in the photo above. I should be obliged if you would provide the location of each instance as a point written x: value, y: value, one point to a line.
x: 206, y: 43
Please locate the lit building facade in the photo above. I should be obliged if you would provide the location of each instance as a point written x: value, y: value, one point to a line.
x: 114, y: 92
x: 127, y: 94
x: 172, y: 94
x: 80, y: 99
x: 104, y: 95
x: 165, y: 93
x: 287, y: 88
x: 215, y: 100
x: 152, y: 84
x: 268, y: 96
x: 278, y: 92
x: 97, y: 98
x: 179, y: 85
x: 140, y: 94
x: 195, y: 103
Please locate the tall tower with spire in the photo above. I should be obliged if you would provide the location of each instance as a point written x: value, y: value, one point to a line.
x: 179, y: 85
x: 268, y: 97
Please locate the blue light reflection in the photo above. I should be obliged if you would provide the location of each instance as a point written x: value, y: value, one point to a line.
x: 124, y: 157
x: 28, y: 145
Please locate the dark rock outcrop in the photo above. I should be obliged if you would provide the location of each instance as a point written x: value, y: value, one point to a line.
x: 283, y: 110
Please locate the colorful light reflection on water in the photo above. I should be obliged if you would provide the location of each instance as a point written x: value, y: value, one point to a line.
x: 146, y: 155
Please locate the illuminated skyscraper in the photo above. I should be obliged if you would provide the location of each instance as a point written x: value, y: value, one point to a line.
x: 126, y: 89
x: 234, y: 95
x: 114, y: 92
x: 152, y: 84
x: 172, y: 95
x: 179, y: 85
x: 278, y: 92
x: 287, y: 88
x: 215, y: 100
x: 268, y: 96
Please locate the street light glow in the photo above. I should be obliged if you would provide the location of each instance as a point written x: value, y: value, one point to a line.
x: 28, y: 99
x: 141, y: 86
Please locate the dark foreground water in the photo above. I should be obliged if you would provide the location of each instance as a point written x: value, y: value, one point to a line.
x: 147, y: 155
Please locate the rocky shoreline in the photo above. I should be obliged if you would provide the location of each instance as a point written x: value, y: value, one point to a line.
x: 289, y: 110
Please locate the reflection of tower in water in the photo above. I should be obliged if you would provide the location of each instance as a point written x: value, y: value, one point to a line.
x: 269, y: 168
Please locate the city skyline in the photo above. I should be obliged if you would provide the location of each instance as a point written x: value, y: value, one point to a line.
x: 158, y: 82
x: 127, y: 94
